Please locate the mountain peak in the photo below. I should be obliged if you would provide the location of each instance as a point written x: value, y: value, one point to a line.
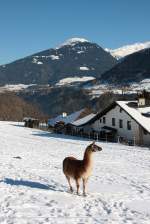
x: 73, y: 41
x: 128, y: 49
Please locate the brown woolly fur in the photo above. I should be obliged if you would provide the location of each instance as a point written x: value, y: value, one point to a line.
x: 80, y: 169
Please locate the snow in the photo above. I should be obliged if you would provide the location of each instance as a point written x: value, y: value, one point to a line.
x: 99, y: 89
x: 145, y: 81
x: 84, y: 68
x: 15, y: 87
x: 66, y: 119
x: 136, y: 113
x: 71, y: 80
x: 144, y: 84
x: 128, y: 49
x: 39, y: 63
x: 140, y: 205
x: 80, y: 52
x: 83, y: 120
x: 34, y: 189
x: 73, y: 41
x: 54, y: 57
x: 35, y: 61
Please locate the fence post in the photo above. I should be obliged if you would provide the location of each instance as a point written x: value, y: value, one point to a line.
x: 134, y: 142
x: 118, y: 139
x: 97, y: 136
x: 106, y: 137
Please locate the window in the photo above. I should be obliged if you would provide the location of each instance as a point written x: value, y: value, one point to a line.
x: 120, y: 110
x: 100, y: 120
x: 104, y: 120
x: 113, y: 121
x: 120, y: 123
x: 129, y: 125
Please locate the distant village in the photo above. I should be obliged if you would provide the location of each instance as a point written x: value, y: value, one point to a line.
x: 126, y: 122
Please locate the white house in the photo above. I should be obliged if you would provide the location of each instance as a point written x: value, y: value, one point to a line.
x: 128, y: 120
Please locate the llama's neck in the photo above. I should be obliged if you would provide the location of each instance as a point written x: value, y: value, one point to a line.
x: 88, y: 159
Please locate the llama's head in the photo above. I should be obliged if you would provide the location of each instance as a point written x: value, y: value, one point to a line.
x: 94, y: 148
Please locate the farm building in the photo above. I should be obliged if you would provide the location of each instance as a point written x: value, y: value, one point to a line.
x: 77, y: 126
x: 127, y: 121
x: 63, y: 123
x: 31, y: 122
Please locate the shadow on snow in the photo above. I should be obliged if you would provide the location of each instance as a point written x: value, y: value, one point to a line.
x: 30, y: 184
x: 25, y: 183
x: 18, y: 125
x: 60, y: 136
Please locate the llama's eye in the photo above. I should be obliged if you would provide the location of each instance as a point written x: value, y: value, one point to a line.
x: 94, y: 149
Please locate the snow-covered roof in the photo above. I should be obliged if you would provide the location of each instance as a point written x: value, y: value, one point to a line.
x: 29, y: 119
x: 140, y: 114
x: 137, y: 114
x: 83, y: 120
x: 67, y: 119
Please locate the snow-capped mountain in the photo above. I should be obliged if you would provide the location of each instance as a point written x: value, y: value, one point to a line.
x: 77, y: 57
x: 128, y: 49
x: 73, y: 41
x: 133, y: 69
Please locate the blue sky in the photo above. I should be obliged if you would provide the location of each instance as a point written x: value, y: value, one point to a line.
x: 29, y: 26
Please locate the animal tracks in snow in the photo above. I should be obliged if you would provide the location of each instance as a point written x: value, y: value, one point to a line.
x: 34, y: 190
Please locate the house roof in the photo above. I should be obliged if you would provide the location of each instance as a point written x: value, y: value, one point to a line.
x: 67, y: 119
x: 29, y: 119
x: 83, y: 120
x: 98, y: 115
x: 139, y: 114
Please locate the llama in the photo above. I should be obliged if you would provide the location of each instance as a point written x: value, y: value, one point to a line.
x: 80, y: 169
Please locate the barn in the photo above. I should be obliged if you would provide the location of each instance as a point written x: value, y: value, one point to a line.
x: 31, y: 122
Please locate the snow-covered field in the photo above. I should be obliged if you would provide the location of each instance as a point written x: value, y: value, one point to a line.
x: 15, y: 87
x: 33, y: 188
x: 99, y: 89
x: 70, y: 80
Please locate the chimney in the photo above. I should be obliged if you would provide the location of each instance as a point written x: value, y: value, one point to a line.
x: 144, y: 99
x: 64, y: 114
x: 141, y: 101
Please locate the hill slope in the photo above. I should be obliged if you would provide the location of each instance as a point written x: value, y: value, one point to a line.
x: 34, y: 189
x: 76, y: 57
x: 134, y: 68
x: 128, y: 49
x: 14, y: 108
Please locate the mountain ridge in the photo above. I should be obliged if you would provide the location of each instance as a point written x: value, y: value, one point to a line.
x: 133, y: 69
x: 76, y: 58
x: 125, y: 50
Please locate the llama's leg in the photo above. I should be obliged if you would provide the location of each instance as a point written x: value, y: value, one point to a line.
x: 68, y: 178
x: 78, y: 185
x: 84, y: 186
